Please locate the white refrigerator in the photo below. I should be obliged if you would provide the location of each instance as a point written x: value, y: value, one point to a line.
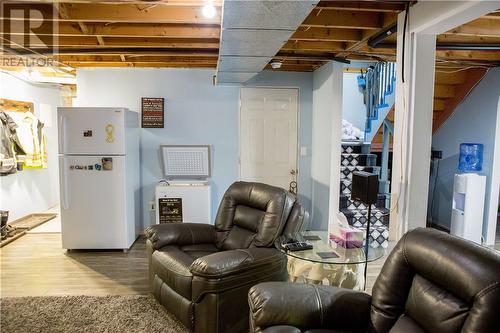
x: 99, y: 177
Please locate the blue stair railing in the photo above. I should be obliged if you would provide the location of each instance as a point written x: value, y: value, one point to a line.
x: 379, y: 82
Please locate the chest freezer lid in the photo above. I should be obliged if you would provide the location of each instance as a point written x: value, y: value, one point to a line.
x: 184, y: 162
x: 183, y: 182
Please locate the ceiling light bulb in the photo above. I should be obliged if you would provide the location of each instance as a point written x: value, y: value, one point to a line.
x: 209, y: 10
x: 276, y: 64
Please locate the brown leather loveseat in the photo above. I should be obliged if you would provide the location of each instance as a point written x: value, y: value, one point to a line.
x: 431, y: 283
x: 202, y: 273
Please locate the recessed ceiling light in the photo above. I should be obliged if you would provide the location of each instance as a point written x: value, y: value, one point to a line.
x: 209, y: 10
x: 276, y: 64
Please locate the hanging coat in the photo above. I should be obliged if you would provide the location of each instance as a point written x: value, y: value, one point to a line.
x: 10, y: 145
x: 28, y: 134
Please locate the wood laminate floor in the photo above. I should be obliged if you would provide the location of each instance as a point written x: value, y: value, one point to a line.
x: 36, y: 265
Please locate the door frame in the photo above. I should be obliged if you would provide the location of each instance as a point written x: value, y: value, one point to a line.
x: 297, y: 148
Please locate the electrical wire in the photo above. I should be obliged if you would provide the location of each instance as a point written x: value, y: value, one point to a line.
x: 436, y: 177
x: 463, y: 69
x: 403, y: 128
x: 407, y: 10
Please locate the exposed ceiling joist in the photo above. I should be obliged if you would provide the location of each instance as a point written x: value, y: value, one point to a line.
x: 342, y: 19
x: 91, y: 42
x: 327, y: 35
x: 124, y: 13
x: 484, y: 26
x: 366, y: 6
x: 174, y: 32
x: 71, y: 29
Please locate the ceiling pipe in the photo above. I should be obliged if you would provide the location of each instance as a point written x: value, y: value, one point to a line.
x: 381, y: 36
x: 451, y: 46
x: 377, y: 42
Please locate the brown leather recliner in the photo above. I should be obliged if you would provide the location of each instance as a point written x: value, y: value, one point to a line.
x: 202, y: 273
x: 431, y: 282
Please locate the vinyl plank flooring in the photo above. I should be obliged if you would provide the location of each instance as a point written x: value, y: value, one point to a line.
x: 36, y: 265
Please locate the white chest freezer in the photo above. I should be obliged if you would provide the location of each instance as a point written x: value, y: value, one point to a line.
x: 178, y: 201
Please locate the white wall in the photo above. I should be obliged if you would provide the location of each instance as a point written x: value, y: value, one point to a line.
x: 353, y: 107
x: 474, y: 120
x: 326, y: 139
x: 196, y: 112
x: 32, y: 191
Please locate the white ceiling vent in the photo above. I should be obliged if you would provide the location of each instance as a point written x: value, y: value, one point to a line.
x: 253, y: 31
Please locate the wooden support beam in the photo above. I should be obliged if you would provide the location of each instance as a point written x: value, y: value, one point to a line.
x: 384, y: 20
x: 439, y: 104
x: 100, y: 40
x: 145, y: 64
x: 98, y: 12
x: 468, y: 39
x: 136, y: 52
x: 327, y: 34
x: 484, y: 26
x: 169, y: 3
x: 450, y: 77
x: 469, y: 55
x: 444, y: 91
x: 361, y: 6
x: 474, y: 76
x: 116, y: 58
x: 313, y: 46
x: 91, y: 42
x: 71, y: 29
x: 342, y: 19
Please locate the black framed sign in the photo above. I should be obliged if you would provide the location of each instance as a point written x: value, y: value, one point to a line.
x: 153, y: 115
x: 170, y: 210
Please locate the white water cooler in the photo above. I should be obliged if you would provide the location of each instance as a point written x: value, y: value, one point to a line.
x: 468, y: 206
x: 185, y: 194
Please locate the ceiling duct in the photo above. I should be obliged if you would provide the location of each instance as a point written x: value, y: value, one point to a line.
x: 253, y: 32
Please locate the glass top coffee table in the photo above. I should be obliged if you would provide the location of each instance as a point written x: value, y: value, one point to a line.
x: 327, y: 261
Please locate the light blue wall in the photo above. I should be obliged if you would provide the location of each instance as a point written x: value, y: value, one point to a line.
x: 353, y: 107
x: 196, y: 112
x: 474, y: 120
x: 32, y: 191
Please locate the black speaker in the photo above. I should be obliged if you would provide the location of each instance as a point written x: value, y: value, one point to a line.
x: 364, y: 187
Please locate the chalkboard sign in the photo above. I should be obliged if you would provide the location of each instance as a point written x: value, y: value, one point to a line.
x: 152, y: 112
x: 170, y: 210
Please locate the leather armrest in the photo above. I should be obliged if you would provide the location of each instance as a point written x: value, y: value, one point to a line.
x: 225, y: 263
x: 161, y: 235
x: 308, y: 306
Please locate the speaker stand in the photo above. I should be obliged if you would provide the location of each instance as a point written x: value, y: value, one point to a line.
x: 367, y: 239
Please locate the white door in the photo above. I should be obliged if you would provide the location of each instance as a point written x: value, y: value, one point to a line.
x: 93, y: 212
x: 268, y: 135
x: 91, y: 131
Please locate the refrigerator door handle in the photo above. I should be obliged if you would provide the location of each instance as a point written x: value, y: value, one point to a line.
x: 62, y: 133
x: 64, y: 183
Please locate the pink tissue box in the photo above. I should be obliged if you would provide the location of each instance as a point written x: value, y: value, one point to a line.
x: 347, y: 237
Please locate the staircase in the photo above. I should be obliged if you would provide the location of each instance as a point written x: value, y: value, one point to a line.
x: 378, y: 90
x: 379, y: 97
x: 356, y: 157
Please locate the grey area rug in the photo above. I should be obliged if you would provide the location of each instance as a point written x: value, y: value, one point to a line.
x: 93, y: 314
